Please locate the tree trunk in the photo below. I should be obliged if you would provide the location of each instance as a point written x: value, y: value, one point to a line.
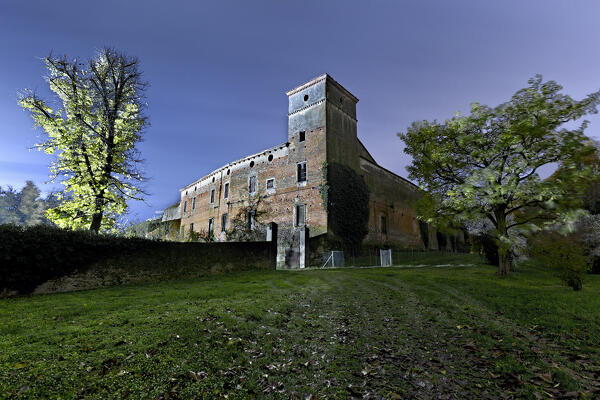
x: 97, y: 216
x: 504, y: 259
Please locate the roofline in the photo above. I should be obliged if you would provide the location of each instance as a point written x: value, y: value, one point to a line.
x: 280, y: 146
x: 367, y: 150
x: 388, y: 171
x: 319, y: 79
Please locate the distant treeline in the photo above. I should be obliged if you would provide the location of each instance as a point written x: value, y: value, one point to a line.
x: 25, y: 207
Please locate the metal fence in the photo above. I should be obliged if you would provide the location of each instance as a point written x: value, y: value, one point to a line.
x: 333, y: 259
x: 375, y: 257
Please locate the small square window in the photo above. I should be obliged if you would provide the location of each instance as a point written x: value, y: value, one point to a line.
x: 300, y: 214
x: 302, y: 136
x: 212, y: 196
x: 271, y: 183
x: 226, y: 191
x: 302, y: 172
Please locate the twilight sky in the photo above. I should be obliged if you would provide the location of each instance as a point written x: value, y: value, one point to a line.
x: 219, y: 70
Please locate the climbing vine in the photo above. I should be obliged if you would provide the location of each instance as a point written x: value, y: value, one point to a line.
x: 346, y: 200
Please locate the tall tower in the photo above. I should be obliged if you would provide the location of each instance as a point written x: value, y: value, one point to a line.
x: 322, y: 103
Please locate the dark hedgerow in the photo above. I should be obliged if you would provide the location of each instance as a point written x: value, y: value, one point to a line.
x: 346, y: 199
x: 34, y: 255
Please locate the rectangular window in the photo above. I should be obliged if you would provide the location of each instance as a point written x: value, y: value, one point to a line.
x: 212, y: 196
x: 226, y: 191
x: 251, y: 219
x: 224, y: 222
x: 302, y: 136
x: 252, y: 184
x: 192, y: 227
x: 194, y: 203
x: 185, y: 206
x: 383, y: 224
x: 300, y: 214
x: 302, y: 172
x: 271, y: 183
x: 211, y: 226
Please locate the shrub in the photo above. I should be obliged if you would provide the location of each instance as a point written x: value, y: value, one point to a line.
x: 487, y: 245
x: 563, y: 254
x: 34, y: 255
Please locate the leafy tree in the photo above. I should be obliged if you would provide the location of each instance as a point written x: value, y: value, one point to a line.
x: 248, y: 224
x: 31, y: 206
x: 9, y: 206
x: 564, y: 254
x: 93, y: 132
x: 25, y: 207
x: 484, y: 166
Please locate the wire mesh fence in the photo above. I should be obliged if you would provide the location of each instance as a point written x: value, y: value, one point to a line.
x: 375, y: 257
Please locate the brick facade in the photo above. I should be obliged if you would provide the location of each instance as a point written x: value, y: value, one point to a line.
x: 322, y: 127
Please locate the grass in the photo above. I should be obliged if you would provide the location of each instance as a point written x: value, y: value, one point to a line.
x: 456, y: 332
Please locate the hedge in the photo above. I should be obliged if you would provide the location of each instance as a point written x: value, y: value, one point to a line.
x: 34, y: 255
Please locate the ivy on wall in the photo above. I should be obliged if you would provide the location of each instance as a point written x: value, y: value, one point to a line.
x: 346, y: 200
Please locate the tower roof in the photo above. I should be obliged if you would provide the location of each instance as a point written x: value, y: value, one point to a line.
x: 318, y: 79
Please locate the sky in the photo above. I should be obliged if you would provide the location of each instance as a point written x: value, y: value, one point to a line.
x: 218, y: 71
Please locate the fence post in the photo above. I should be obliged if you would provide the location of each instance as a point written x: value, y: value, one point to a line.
x: 272, y: 237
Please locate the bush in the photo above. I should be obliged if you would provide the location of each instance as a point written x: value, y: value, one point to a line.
x: 487, y: 245
x: 32, y: 256
x: 562, y: 254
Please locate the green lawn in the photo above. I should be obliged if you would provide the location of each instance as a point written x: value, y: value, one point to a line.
x: 456, y: 332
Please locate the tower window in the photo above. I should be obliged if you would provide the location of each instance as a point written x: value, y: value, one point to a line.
x: 194, y: 203
x: 211, y: 226
x: 226, y: 191
x: 300, y: 214
x: 212, y: 196
x: 383, y: 224
x: 252, y: 184
x: 302, y: 136
x: 185, y: 206
x: 270, y: 158
x: 302, y: 172
x: 251, y: 164
x: 224, y: 222
x: 271, y: 183
x: 305, y: 97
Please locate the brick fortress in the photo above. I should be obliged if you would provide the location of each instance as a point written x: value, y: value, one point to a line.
x: 285, y: 179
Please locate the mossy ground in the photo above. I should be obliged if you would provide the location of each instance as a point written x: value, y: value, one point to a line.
x: 455, y: 332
